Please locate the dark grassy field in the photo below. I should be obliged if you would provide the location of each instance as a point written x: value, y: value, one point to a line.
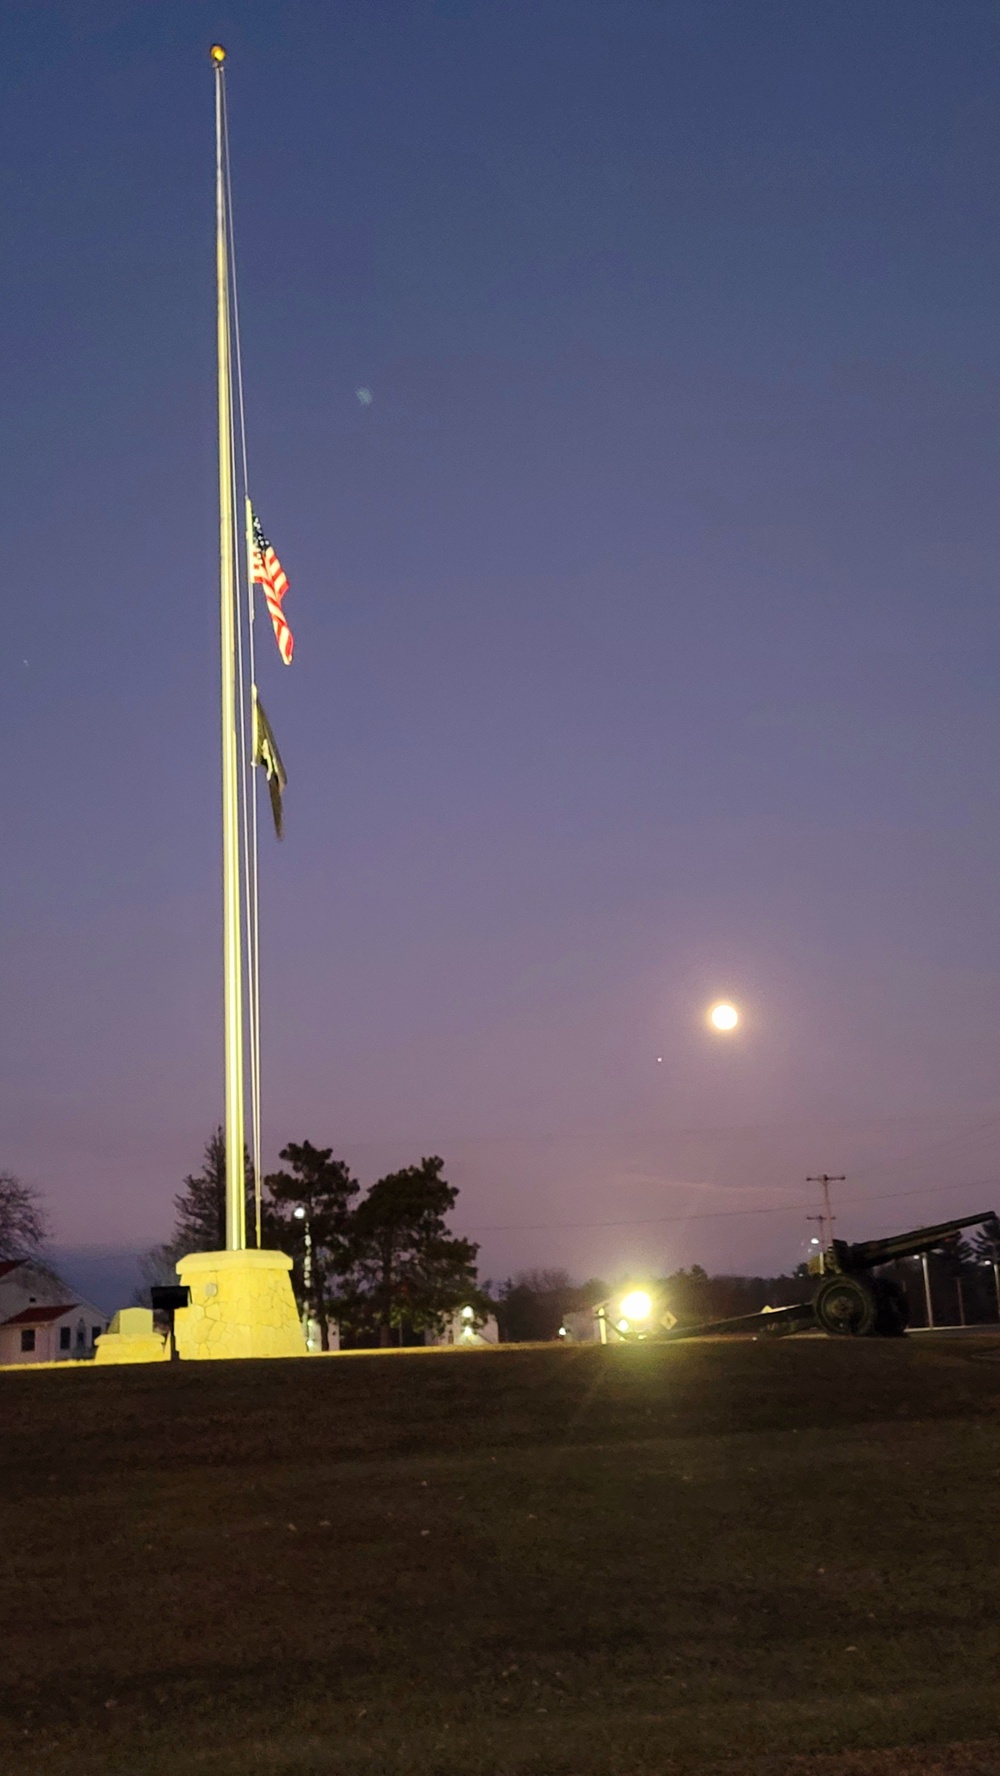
x: 624, y: 1562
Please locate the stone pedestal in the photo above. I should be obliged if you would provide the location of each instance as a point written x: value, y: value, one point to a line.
x: 130, y: 1338
x: 241, y: 1306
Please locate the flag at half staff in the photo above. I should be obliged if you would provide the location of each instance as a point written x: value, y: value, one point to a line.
x: 265, y: 752
x: 269, y: 573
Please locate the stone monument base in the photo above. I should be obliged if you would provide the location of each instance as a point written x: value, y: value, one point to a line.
x: 131, y: 1338
x: 241, y: 1306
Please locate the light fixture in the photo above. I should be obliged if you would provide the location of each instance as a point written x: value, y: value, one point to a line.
x: 637, y: 1305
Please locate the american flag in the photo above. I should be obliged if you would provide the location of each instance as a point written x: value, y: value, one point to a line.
x: 269, y: 573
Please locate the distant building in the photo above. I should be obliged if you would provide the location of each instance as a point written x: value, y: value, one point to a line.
x: 584, y: 1326
x: 637, y: 1315
x: 462, y: 1329
x: 41, y: 1320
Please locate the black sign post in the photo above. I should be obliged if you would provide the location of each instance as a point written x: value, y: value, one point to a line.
x: 166, y: 1299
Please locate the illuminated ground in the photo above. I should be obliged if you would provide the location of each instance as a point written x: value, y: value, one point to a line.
x: 622, y: 1562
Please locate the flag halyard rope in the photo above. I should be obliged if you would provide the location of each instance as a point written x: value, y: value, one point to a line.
x: 247, y: 677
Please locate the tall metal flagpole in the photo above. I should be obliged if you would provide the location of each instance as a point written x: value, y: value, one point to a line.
x: 231, y: 933
x: 239, y: 1303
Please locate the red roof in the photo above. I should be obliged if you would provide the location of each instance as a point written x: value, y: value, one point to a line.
x: 39, y: 1316
x: 10, y: 1264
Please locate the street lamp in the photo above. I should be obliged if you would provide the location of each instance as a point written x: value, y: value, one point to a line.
x: 637, y: 1305
x: 925, y: 1267
x: 300, y: 1214
x: 639, y: 1314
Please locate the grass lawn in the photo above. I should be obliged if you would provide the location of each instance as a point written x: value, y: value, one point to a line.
x: 732, y: 1557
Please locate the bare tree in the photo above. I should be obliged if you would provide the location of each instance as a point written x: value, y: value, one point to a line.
x: 23, y: 1222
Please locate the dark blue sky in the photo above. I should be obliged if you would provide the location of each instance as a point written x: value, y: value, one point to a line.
x: 646, y: 620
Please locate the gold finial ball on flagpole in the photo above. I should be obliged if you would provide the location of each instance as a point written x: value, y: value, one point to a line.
x: 217, y: 54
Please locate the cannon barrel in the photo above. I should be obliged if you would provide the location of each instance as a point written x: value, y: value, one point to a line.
x: 772, y: 1320
x: 867, y: 1254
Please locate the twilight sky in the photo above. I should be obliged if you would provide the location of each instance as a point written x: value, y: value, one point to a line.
x: 646, y: 620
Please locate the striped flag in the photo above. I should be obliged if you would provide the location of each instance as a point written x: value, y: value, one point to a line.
x: 265, y: 752
x: 269, y: 573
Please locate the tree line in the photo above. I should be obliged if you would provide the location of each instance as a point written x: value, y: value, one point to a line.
x: 386, y: 1267
x: 964, y: 1288
x: 382, y: 1264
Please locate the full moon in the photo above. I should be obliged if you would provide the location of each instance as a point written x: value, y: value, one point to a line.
x: 724, y: 1016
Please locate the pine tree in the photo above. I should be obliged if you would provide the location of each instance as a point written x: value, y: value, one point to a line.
x: 986, y: 1243
x: 200, y: 1224
x: 405, y: 1266
x: 324, y: 1188
x: 200, y: 1218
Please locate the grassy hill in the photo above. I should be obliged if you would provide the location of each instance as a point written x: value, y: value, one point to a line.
x: 585, y: 1562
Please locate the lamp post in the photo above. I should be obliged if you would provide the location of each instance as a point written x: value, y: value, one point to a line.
x: 300, y: 1214
x: 927, y: 1288
x: 994, y: 1265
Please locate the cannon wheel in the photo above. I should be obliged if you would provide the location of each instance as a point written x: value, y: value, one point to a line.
x: 846, y: 1306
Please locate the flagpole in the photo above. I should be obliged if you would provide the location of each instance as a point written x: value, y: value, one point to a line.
x: 231, y: 936
x: 239, y: 1302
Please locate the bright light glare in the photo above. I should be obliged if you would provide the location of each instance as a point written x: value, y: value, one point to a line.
x: 637, y: 1306
x: 299, y: 1214
x: 623, y: 1325
x: 468, y: 1313
x: 724, y: 1016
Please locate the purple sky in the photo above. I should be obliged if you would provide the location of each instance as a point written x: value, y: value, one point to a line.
x: 646, y: 620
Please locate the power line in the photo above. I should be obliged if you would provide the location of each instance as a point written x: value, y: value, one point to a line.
x: 990, y: 1122
x: 827, y: 1218
x: 721, y: 1214
x: 946, y: 1141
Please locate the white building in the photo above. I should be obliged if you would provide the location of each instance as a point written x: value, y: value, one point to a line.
x: 583, y: 1326
x: 41, y: 1320
x: 462, y: 1329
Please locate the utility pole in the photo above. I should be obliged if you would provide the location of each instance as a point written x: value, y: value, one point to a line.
x: 819, y: 1242
x: 827, y: 1218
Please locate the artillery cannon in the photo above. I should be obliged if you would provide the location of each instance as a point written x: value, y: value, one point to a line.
x: 849, y: 1300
